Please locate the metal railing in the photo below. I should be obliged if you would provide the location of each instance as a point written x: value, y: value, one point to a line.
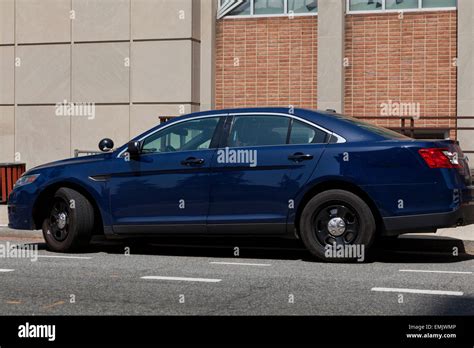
x: 9, y: 174
x: 86, y: 152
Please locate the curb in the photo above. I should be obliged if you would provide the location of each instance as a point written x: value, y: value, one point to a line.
x: 6, y: 232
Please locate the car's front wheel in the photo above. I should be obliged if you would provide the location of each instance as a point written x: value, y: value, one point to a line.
x: 337, y: 226
x: 69, y: 224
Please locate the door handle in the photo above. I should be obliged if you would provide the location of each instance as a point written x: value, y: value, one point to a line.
x: 192, y: 161
x: 299, y: 156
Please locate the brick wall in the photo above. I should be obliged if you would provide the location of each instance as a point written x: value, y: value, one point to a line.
x: 405, y: 61
x: 266, y: 62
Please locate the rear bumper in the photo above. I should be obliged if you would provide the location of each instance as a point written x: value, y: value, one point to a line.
x: 429, y: 222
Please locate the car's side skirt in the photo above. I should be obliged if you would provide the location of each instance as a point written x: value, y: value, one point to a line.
x: 267, y: 229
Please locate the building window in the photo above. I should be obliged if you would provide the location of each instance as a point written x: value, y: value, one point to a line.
x: 259, y: 8
x: 439, y: 3
x: 399, y: 5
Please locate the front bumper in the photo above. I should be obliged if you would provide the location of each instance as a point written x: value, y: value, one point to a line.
x: 429, y: 222
x: 20, y: 208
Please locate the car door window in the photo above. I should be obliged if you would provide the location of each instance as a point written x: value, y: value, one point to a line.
x: 258, y: 131
x: 303, y: 133
x: 185, y: 136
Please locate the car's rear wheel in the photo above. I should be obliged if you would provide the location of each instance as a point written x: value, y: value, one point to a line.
x: 337, y: 226
x: 70, y: 222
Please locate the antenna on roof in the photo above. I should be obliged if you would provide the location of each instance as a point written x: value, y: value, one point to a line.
x: 331, y: 110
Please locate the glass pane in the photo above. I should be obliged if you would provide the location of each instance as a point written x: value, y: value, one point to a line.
x: 400, y: 4
x: 365, y: 5
x: 302, y: 133
x: 269, y: 7
x: 303, y: 6
x: 259, y: 131
x: 439, y: 3
x: 243, y: 9
x: 185, y: 136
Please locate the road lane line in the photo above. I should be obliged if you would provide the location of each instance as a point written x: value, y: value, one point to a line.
x: 240, y: 264
x: 66, y: 257
x: 420, y: 291
x: 58, y: 303
x: 6, y: 270
x: 428, y: 271
x: 185, y: 279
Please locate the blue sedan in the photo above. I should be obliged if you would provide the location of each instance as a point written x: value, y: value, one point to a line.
x: 332, y: 181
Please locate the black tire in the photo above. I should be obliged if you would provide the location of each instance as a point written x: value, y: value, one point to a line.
x: 77, y: 223
x: 320, y: 226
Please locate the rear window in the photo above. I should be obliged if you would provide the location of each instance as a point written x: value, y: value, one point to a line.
x: 384, y: 132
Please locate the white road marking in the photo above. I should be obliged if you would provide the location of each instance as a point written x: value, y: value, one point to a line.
x: 240, y: 263
x: 419, y: 291
x: 185, y: 279
x: 6, y: 270
x: 66, y: 257
x: 428, y: 271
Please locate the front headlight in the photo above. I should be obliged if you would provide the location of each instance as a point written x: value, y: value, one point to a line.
x: 26, y: 179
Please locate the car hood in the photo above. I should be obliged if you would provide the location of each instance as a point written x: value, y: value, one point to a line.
x: 72, y: 161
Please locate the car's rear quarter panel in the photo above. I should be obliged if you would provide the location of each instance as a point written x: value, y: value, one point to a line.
x: 393, y: 176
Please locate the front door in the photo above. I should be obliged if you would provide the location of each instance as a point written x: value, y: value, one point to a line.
x: 166, y: 188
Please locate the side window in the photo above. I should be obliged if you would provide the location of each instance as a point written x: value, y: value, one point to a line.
x: 302, y: 133
x: 184, y: 136
x: 258, y: 131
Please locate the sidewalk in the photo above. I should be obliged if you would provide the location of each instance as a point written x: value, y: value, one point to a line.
x: 3, y: 215
x: 443, y: 241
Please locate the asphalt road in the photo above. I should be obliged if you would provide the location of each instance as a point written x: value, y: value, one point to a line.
x: 210, y: 280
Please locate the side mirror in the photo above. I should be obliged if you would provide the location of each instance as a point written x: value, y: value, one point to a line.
x: 106, y: 145
x: 134, y: 148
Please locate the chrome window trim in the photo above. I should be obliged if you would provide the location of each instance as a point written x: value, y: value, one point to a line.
x: 340, y: 139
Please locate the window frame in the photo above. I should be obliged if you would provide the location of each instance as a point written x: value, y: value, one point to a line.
x: 285, y: 13
x: 420, y: 8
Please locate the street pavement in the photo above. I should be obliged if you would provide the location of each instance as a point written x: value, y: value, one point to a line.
x: 205, y: 277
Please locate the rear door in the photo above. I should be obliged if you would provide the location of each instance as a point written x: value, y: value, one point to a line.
x: 258, y: 170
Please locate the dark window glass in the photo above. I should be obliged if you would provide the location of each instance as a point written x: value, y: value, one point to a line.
x: 439, y: 3
x: 303, y: 6
x: 365, y: 5
x: 242, y: 9
x: 258, y: 131
x: 384, y: 132
x: 401, y: 4
x: 303, y: 133
x: 269, y: 7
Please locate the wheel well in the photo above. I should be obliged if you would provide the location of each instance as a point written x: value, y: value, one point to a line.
x: 339, y: 185
x: 44, y: 200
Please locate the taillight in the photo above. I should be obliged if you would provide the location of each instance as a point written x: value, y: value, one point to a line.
x: 440, y: 158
